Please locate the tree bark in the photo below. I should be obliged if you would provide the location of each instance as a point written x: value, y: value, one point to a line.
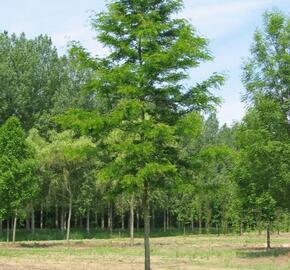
x: 110, y: 217
x: 32, y: 219
x: 76, y: 221
x: 241, y: 228
x: 137, y: 219
x: 132, y: 220
x: 81, y: 221
x: 103, y: 220
x: 268, y: 236
x: 27, y: 221
x: 69, y: 218
x: 88, y: 222
x: 167, y: 219
x: 153, y: 219
x: 1, y: 226
x: 199, y: 224
x: 56, y: 217
x: 96, y: 220
x: 62, y: 219
x: 41, y: 216
x: 207, y: 226
x: 164, y: 221
x: 122, y: 220
x: 146, y: 212
x: 14, y: 228
x: 8, y: 228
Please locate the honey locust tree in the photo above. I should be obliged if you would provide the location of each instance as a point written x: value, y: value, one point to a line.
x: 140, y: 86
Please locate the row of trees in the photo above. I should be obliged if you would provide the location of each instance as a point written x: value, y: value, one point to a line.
x: 121, y: 138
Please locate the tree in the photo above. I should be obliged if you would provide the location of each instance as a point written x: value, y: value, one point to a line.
x: 267, y: 71
x: 66, y: 155
x: 263, y: 169
x: 18, y: 181
x: 264, y: 134
x: 141, y: 83
x: 35, y: 82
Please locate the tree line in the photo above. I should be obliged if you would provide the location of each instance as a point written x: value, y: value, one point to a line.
x: 120, y: 142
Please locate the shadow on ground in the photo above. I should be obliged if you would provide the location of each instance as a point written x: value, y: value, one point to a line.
x: 263, y: 252
x: 39, y: 245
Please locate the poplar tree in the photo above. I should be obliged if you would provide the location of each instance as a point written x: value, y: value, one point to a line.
x: 263, y: 136
x: 18, y: 181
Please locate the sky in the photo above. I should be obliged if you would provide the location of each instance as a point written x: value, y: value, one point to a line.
x: 228, y: 24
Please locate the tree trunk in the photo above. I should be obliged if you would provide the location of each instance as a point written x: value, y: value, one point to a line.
x: 27, y: 221
x: 164, y: 221
x: 103, y: 220
x: 14, y: 228
x: 8, y: 228
x: 32, y: 220
x: 56, y: 217
x: 96, y: 220
x: 123, y: 220
x: 268, y: 236
x: 132, y: 220
x: 81, y: 221
x: 153, y: 219
x: 110, y: 217
x: 199, y: 224
x: 41, y: 216
x: 1, y: 226
x: 192, y: 223
x: 137, y: 219
x: 88, y: 222
x: 207, y: 226
x: 62, y: 219
x: 167, y: 219
x: 69, y: 218
x: 241, y: 228
x: 76, y: 221
x: 146, y: 212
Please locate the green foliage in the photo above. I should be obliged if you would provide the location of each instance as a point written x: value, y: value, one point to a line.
x: 263, y: 137
x: 267, y: 71
x: 18, y: 181
x: 36, y: 82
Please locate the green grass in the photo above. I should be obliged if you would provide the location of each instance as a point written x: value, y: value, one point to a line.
x: 77, y: 234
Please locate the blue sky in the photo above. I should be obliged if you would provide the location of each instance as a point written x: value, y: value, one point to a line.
x: 228, y: 24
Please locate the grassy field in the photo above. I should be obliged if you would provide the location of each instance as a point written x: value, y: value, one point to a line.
x: 197, y: 252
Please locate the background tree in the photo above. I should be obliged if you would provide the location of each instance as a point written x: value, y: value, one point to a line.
x: 264, y: 134
x: 263, y: 170
x: 66, y: 155
x: 267, y: 71
x: 18, y: 179
x: 36, y: 82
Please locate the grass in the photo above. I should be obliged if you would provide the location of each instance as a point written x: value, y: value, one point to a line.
x: 77, y: 234
x: 197, y: 252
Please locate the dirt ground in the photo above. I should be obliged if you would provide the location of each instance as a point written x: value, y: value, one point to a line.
x: 186, y: 253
